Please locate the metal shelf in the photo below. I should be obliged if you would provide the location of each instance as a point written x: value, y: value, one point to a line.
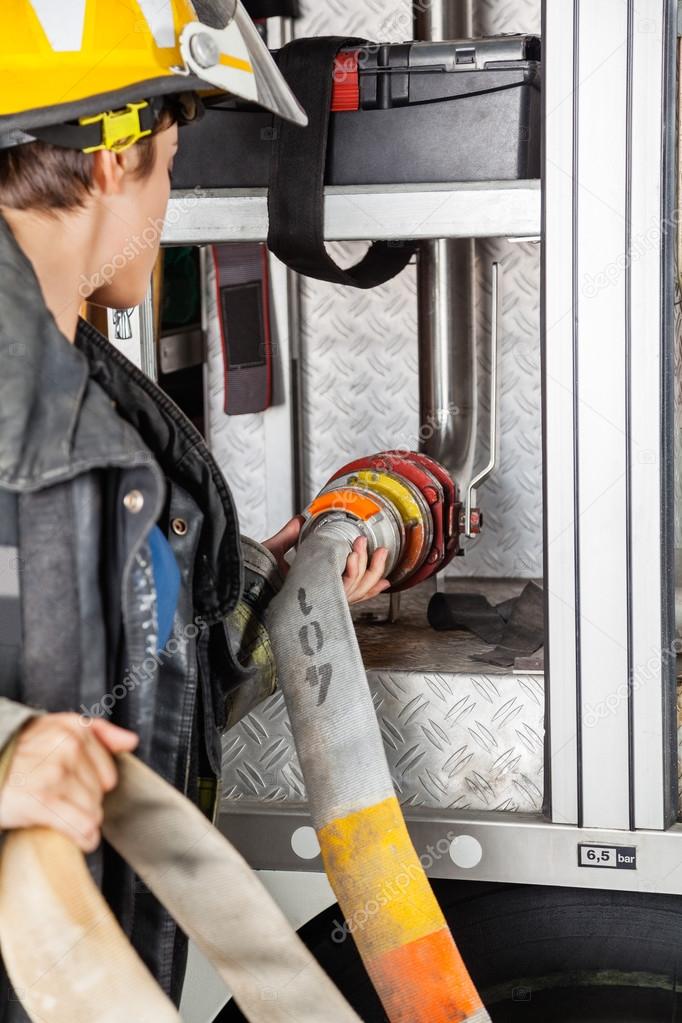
x: 486, y: 209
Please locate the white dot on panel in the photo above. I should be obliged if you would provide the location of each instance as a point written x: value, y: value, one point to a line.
x: 466, y: 852
x: 304, y: 843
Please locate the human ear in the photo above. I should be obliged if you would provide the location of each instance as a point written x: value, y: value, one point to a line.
x: 109, y: 170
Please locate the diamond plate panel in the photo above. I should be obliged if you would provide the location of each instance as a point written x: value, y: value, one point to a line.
x: 511, y: 543
x: 464, y: 742
x: 452, y: 741
x: 493, y: 17
x: 360, y: 370
x: 373, y: 19
x: 393, y: 22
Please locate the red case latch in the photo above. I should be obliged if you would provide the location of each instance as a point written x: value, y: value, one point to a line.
x: 346, y: 94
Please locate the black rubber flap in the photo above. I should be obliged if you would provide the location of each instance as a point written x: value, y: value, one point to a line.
x: 516, y: 626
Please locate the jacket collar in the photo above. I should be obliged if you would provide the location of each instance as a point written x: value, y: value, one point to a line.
x: 54, y: 424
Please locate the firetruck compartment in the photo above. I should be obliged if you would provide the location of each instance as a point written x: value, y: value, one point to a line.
x: 458, y: 733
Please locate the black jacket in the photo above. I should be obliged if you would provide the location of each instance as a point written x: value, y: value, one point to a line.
x: 92, y: 456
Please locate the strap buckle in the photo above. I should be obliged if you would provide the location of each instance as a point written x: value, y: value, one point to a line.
x: 121, y: 129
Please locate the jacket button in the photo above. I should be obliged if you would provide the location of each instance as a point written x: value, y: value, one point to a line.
x: 134, y: 502
x: 179, y: 527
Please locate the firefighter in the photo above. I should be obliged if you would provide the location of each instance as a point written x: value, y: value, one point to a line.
x: 120, y: 553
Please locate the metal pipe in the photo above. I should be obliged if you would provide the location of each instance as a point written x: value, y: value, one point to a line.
x: 437, y: 20
x: 483, y: 475
x: 287, y: 32
x: 446, y: 289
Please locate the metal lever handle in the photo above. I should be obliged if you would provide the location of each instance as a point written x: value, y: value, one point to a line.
x: 494, y: 358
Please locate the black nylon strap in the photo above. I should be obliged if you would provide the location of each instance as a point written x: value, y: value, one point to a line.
x: 273, y: 8
x: 296, y: 196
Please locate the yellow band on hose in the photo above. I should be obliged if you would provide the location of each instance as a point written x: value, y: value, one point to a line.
x: 388, y: 902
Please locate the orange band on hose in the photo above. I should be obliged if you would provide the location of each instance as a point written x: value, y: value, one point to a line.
x: 425, y: 982
x: 347, y: 501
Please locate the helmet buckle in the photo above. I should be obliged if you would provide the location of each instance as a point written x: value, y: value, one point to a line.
x: 121, y: 129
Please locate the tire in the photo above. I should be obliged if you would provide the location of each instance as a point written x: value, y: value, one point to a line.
x: 539, y: 955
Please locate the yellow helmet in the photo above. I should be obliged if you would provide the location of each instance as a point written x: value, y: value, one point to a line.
x: 97, y: 64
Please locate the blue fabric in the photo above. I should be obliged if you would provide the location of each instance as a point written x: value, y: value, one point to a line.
x: 167, y: 581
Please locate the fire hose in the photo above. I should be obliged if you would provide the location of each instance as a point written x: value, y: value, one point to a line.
x: 408, y: 504
x: 70, y: 962
x: 67, y: 957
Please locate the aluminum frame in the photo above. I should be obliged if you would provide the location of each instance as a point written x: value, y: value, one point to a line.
x: 607, y: 366
x: 468, y: 210
x: 508, y: 848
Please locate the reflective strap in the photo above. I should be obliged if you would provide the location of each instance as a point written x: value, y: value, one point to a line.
x: 9, y: 573
x: 10, y: 614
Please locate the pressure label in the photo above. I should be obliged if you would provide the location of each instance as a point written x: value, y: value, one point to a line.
x: 614, y: 857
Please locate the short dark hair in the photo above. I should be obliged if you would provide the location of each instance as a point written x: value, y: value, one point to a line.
x: 40, y: 176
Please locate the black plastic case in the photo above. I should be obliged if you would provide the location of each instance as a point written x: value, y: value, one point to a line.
x: 468, y: 110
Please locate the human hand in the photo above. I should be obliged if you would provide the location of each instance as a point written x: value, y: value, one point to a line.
x: 59, y: 773
x: 364, y: 579
x: 284, y: 541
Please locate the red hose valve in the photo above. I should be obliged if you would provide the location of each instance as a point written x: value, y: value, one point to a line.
x: 401, y: 500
